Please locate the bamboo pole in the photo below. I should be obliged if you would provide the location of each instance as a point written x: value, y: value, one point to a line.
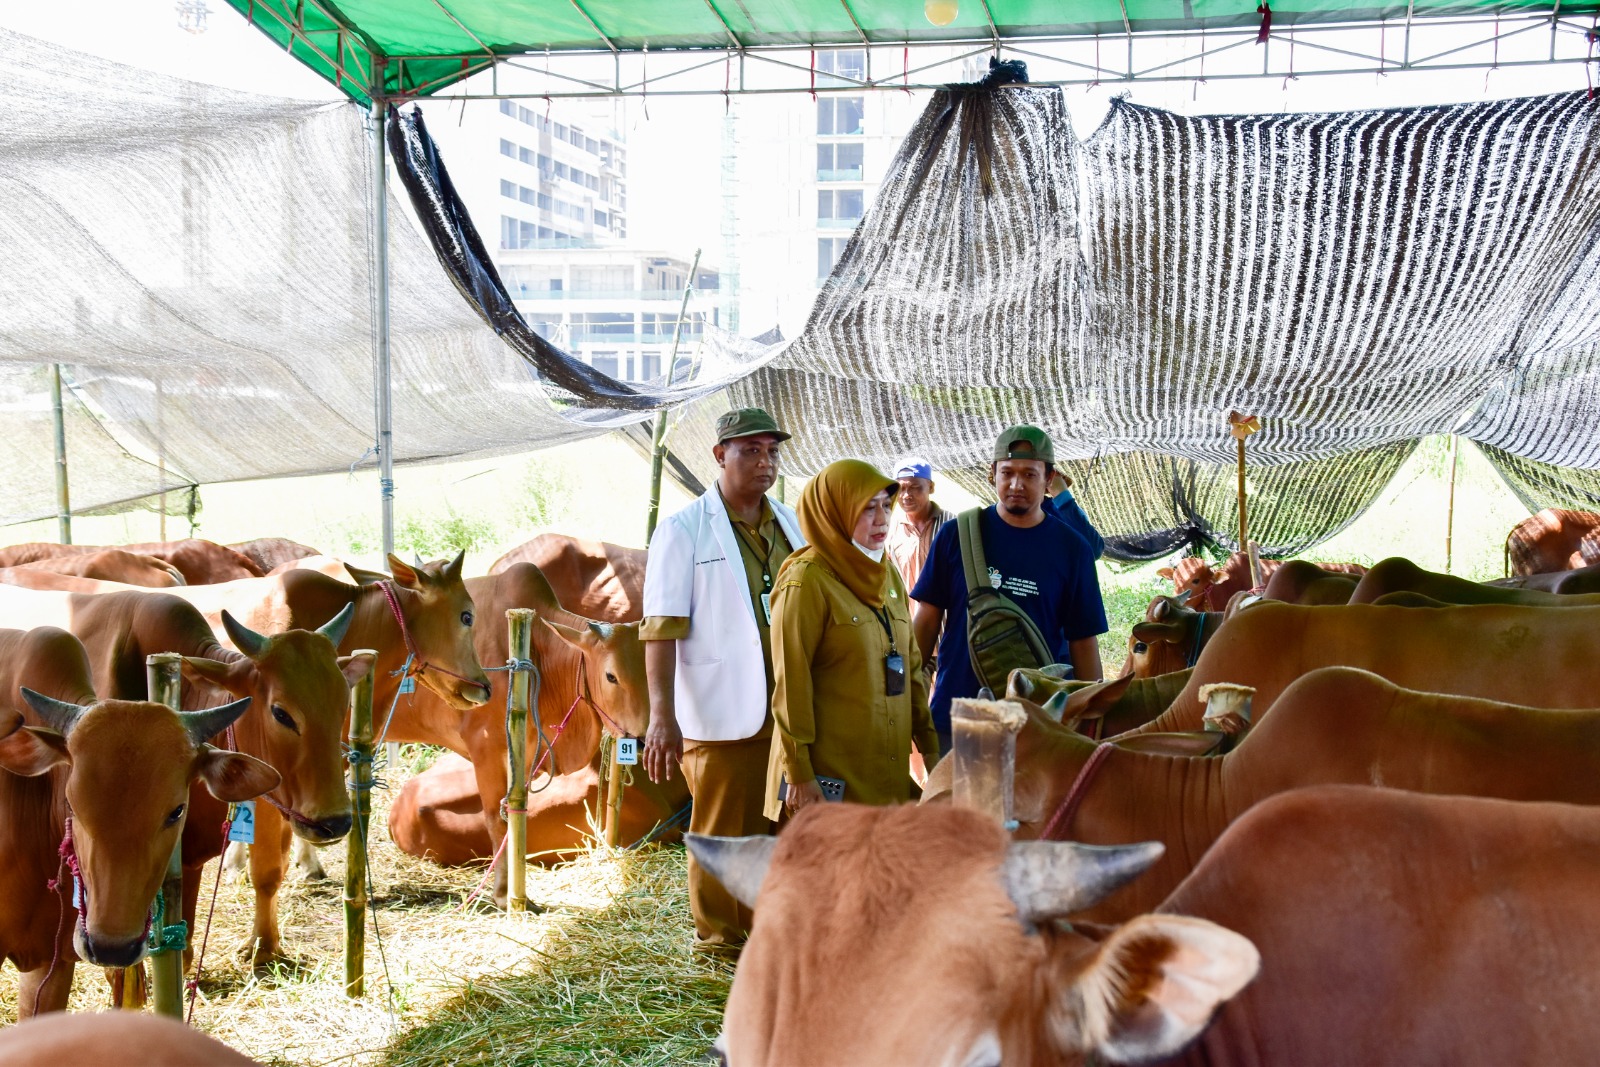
x: 63, y: 502
x: 1450, y: 512
x: 658, y: 441
x: 520, y: 623
x: 1242, y: 426
x: 355, y: 847
x: 984, y: 750
x: 166, y: 964
x: 614, y: 800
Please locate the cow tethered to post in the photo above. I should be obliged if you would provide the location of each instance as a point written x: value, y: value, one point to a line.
x: 168, y: 939
x: 984, y: 751
x: 520, y: 624
x: 355, y: 866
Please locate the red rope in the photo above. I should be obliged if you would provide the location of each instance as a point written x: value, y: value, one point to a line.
x: 68, y: 858
x: 1264, y: 9
x: 1061, y: 821
x: 200, y: 959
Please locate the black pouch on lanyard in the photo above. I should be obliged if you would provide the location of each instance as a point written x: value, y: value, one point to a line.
x: 894, y: 674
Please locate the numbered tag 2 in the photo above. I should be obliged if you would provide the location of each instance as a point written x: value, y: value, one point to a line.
x: 627, y: 751
x: 244, y: 823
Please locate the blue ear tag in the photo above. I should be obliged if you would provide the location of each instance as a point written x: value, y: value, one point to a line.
x: 408, y: 684
x: 244, y: 822
x: 627, y: 751
x: 77, y: 893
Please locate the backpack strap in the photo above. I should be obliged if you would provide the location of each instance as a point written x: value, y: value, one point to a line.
x: 970, y: 535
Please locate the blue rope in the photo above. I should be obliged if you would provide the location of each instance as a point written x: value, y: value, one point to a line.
x: 665, y: 825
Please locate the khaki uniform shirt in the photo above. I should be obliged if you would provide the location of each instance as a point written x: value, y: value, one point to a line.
x: 762, y: 550
x: 909, y: 546
x: 829, y: 707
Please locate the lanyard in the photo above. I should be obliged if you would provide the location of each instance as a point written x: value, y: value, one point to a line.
x: 766, y: 560
x: 883, y: 620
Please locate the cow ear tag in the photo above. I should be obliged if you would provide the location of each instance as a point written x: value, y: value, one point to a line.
x: 627, y: 751
x: 408, y: 684
x: 243, y: 829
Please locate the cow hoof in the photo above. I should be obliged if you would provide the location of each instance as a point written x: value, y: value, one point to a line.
x: 263, y: 958
x: 313, y: 873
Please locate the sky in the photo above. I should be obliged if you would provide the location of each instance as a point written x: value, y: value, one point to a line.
x: 675, y: 144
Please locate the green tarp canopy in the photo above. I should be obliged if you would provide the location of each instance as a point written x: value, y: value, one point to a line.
x: 431, y: 44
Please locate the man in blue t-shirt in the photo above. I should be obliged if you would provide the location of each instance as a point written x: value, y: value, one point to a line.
x: 1039, y: 562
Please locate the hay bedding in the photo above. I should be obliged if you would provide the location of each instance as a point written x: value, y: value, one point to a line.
x: 604, y: 976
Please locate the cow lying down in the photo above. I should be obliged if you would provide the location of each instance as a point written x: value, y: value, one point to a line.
x: 1333, y: 726
x: 60, y: 1040
x: 1387, y: 928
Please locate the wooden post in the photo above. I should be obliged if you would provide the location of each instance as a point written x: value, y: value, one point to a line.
x: 614, y: 799
x: 658, y: 446
x: 355, y: 847
x: 63, y: 501
x: 166, y: 966
x: 1242, y: 426
x: 984, y: 748
x: 1450, y: 511
x: 520, y: 623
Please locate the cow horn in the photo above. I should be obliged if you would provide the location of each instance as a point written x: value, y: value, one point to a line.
x: 1056, y: 670
x: 1056, y: 706
x: 335, y: 628
x: 452, y: 570
x: 208, y: 723
x: 1050, y: 879
x: 1020, y: 685
x: 602, y: 630
x: 739, y: 863
x: 246, y: 640
x: 57, y: 714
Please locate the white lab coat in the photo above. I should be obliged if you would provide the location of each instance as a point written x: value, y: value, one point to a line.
x: 695, y: 571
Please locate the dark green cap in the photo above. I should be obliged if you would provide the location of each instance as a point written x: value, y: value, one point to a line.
x: 747, y: 422
x: 1024, y: 442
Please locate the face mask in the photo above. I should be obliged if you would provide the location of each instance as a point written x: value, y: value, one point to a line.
x: 874, y: 554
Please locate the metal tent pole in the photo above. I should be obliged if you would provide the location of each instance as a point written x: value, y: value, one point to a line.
x: 63, y: 504
x: 658, y: 444
x: 380, y: 321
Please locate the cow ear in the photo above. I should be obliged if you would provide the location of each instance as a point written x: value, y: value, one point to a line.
x: 582, y: 640
x: 1154, y: 985
x: 1164, y: 572
x: 1157, y: 631
x: 404, y: 573
x: 1092, y: 702
x: 365, y: 577
x: 233, y: 776
x: 355, y: 668
x: 215, y: 672
x: 33, y: 750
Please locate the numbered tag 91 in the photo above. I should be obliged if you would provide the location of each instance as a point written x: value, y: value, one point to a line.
x: 627, y: 751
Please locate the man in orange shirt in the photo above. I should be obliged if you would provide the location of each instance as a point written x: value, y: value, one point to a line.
x: 915, y: 520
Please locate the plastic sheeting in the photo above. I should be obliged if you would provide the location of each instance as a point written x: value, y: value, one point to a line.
x: 1358, y: 280
x: 199, y: 259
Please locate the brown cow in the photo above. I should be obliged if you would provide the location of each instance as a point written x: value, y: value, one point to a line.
x: 1400, y: 575
x: 577, y: 659
x: 1298, y: 582
x: 1169, y: 639
x: 1521, y: 655
x: 200, y: 562
x: 105, y: 565
x: 293, y: 676
x: 1141, y: 700
x: 268, y: 553
x: 1389, y: 929
x: 1209, y: 589
x: 594, y: 579
x: 1336, y: 725
x: 1553, y: 540
x: 107, y: 1037
x: 122, y: 770
x: 438, y: 815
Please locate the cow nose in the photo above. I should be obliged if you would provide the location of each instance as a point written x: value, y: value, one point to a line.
x: 324, y: 831
x: 102, y: 952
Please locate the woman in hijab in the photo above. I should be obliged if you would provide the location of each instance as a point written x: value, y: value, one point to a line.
x: 849, y: 694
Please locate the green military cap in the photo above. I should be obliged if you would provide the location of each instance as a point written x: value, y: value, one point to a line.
x: 1024, y: 442
x: 747, y: 422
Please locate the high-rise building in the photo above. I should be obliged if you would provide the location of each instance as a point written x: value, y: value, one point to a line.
x: 551, y: 201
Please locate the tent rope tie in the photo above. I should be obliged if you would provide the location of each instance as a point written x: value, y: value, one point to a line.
x: 1061, y: 821
x: 1264, y: 9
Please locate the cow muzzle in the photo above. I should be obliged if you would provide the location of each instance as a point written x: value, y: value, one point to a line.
x: 324, y: 831
x: 107, y: 952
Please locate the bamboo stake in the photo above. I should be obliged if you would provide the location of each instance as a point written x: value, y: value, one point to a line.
x: 1450, y: 513
x: 63, y: 501
x: 614, y: 800
x: 166, y: 965
x: 520, y: 623
x: 1242, y: 426
x: 658, y: 446
x: 355, y: 865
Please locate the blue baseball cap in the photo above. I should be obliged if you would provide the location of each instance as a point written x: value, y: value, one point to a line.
x: 914, y: 467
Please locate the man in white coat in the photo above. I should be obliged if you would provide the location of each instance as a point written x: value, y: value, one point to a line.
x: 708, y: 652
